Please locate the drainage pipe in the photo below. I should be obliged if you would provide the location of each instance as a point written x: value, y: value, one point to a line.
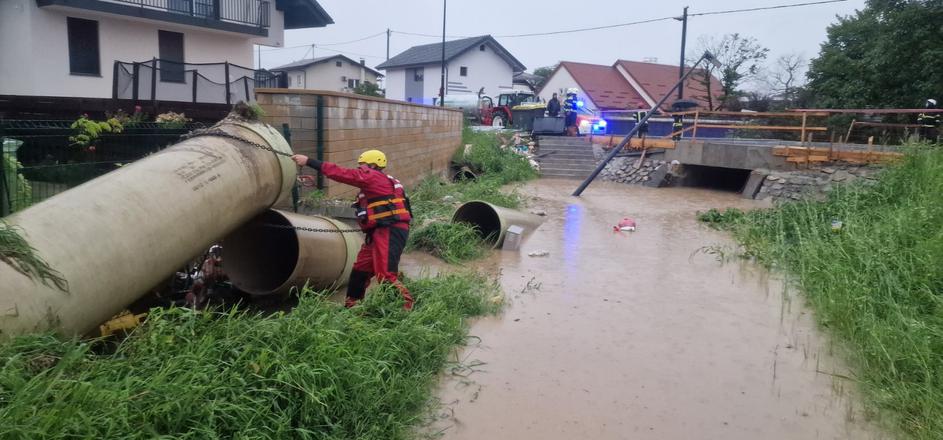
x: 271, y: 254
x: 493, y: 221
x: 116, y: 237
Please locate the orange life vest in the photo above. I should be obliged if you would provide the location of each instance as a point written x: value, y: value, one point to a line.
x: 384, y: 210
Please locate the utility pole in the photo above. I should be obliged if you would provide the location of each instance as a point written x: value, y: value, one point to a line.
x: 387, y: 44
x: 684, y: 38
x: 442, y: 85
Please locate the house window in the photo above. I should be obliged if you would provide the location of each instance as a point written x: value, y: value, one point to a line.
x: 481, y: 48
x: 170, y: 48
x: 339, y: 64
x: 353, y: 83
x: 83, y: 47
x: 417, y: 75
x: 463, y: 71
x: 298, y: 81
x: 289, y: 81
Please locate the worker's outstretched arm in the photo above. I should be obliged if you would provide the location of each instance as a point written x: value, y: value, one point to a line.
x: 353, y: 177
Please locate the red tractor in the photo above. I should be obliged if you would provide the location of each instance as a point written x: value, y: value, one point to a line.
x: 500, y: 114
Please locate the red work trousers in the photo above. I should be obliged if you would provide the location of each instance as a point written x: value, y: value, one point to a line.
x: 379, y: 257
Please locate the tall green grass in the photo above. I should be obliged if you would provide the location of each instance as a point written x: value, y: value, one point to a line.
x: 320, y: 372
x: 877, y: 284
x: 433, y: 199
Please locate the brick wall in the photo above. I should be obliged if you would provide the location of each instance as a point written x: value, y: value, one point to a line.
x: 418, y: 140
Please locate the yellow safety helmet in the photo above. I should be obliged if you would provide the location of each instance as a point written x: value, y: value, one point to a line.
x: 373, y: 157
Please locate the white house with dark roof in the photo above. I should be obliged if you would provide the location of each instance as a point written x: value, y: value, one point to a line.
x: 337, y: 72
x: 472, y: 64
x: 193, y: 51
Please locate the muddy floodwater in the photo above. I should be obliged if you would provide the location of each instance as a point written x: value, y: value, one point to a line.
x: 642, y: 335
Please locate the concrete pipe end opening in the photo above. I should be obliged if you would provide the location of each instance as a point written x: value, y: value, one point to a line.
x: 260, y: 259
x: 484, y: 218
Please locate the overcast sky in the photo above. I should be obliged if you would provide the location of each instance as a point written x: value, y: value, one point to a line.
x: 794, y: 30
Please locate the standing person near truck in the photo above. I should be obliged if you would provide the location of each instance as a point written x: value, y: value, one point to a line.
x: 553, y: 107
x: 570, y: 107
x: 383, y: 213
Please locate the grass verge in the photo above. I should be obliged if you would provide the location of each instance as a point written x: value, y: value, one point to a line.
x: 876, y: 283
x: 319, y: 372
x: 433, y: 200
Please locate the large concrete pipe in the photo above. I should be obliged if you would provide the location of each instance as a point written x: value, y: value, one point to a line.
x: 119, y: 235
x: 493, y: 221
x: 278, y: 250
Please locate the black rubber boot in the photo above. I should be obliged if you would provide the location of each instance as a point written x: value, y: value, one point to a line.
x: 356, y: 287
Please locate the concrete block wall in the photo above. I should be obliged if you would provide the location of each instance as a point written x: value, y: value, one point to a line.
x: 418, y: 140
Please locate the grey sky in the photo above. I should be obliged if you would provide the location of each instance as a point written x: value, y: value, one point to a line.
x: 796, y: 30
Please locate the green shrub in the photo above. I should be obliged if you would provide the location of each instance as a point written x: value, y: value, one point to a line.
x: 21, y: 193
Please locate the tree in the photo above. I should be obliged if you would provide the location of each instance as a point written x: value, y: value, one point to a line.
x: 368, y: 88
x: 785, y: 79
x: 544, y: 74
x: 738, y: 59
x: 889, y: 54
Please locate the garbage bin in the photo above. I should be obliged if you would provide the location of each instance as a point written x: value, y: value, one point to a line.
x: 549, y: 125
x: 524, y: 115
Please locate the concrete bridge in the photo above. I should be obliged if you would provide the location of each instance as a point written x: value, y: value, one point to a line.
x: 744, y: 164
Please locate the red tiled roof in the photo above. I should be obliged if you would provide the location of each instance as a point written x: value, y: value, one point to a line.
x: 657, y: 79
x: 604, y: 85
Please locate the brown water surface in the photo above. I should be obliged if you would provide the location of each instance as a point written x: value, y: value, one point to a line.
x: 642, y: 335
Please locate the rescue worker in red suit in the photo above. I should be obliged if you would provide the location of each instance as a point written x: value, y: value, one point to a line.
x: 383, y: 214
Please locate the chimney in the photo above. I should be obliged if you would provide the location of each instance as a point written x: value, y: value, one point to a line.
x: 363, y: 62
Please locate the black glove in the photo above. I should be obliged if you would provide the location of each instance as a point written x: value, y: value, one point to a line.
x: 314, y: 163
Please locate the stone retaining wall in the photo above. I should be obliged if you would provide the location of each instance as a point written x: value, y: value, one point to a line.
x: 813, y: 182
x: 622, y: 170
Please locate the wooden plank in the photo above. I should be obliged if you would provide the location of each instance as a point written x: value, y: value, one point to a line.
x: 809, y: 159
x: 764, y: 127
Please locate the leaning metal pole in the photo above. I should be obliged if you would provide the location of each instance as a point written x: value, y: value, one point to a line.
x: 628, y: 137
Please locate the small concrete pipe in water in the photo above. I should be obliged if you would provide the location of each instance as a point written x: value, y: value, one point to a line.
x: 261, y: 258
x: 116, y: 237
x: 493, y: 221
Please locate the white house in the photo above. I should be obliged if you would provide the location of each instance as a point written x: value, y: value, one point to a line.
x: 110, y: 48
x: 471, y: 64
x: 337, y: 72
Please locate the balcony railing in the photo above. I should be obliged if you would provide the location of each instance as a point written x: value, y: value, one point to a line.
x: 246, y: 12
x: 209, y: 83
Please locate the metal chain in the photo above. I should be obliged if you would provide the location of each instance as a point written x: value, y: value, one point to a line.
x: 303, y: 228
x: 223, y: 134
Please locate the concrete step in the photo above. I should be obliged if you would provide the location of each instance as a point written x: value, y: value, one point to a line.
x: 563, y: 169
x: 564, y: 164
x: 563, y: 175
x: 562, y: 139
x: 586, y: 151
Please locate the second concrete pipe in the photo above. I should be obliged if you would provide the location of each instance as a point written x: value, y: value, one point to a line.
x: 492, y: 221
x: 278, y: 251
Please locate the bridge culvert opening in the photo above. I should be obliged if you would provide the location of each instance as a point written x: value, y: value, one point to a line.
x: 717, y: 178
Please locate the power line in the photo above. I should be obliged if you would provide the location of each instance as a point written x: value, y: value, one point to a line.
x: 349, y: 53
x: 764, y: 8
x: 570, y: 31
x: 353, y: 41
x: 427, y: 35
x: 633, y: 23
